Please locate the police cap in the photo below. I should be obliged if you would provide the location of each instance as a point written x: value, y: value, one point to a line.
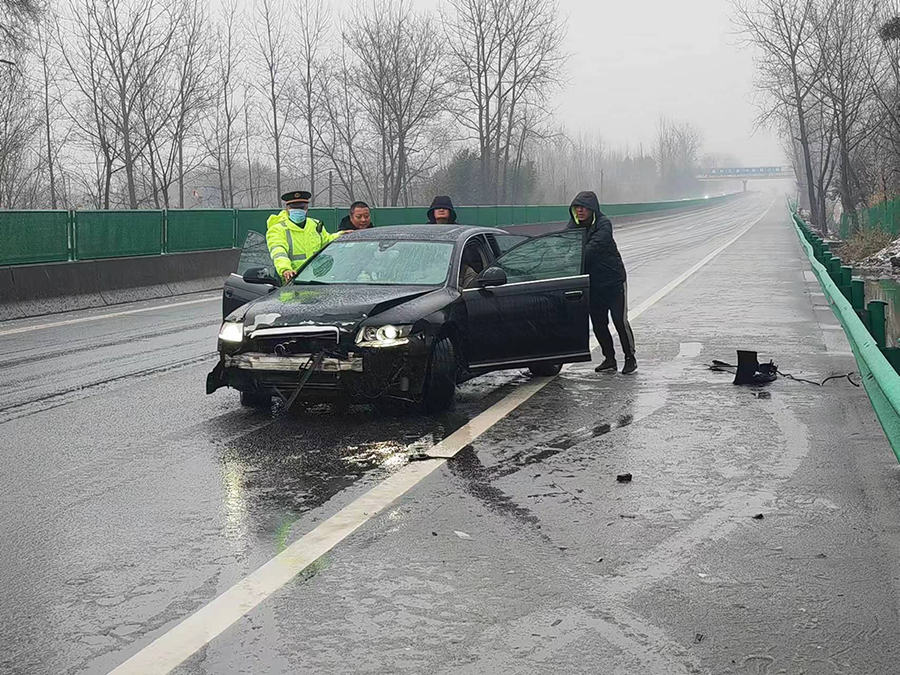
x: 296, y: 196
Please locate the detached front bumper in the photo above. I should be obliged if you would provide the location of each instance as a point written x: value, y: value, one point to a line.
x: 291, y: 364
x: 362, y: 375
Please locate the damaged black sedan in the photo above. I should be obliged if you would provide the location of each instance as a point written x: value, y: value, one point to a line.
x: 402, y: 315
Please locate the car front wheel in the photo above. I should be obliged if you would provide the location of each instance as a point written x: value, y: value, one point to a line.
x: 545, y: 369
x: 440, y: 382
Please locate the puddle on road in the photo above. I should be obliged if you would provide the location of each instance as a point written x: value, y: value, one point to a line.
x: 290, y: 463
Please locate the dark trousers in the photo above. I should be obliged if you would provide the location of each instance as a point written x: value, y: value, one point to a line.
x: 612, y: 300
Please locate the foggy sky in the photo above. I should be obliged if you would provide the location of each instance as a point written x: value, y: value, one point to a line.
x: 634, y: 60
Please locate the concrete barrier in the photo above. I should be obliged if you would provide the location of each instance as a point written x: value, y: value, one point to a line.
x: 131, y: 279
x: 35, y: 290
x: 8, y: 307
x: 200, y: 271
x: 56, y: 287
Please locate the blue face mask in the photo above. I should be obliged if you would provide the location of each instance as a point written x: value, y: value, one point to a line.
x: 297, y: 215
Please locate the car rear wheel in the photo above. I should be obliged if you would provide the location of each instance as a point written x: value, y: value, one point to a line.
x: 251, y: 399
x: 440, y: 381
x: 545, y: 369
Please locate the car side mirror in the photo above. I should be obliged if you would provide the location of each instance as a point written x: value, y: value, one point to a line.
x: 261, y: 275
x: 492, y: 276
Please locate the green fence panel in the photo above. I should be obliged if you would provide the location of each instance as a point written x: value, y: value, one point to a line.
x: 199, y: 230
x: 329, y: 217
x: 487, y: 216
x: 504, y: 216
x: 33, y: 237
x: 252, y: 220
x: 116, y: 234
x: 553, y: 214
x: 519, y: 215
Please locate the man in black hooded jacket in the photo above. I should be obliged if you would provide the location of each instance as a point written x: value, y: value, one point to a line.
x: 442, y: 211
x: 609, y: 290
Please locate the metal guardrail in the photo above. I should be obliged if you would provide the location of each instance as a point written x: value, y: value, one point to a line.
x: 865, y: 330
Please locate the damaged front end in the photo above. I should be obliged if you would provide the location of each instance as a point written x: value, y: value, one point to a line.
x: 316, y: 363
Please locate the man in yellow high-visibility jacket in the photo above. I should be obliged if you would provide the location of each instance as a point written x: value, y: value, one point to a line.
x: 293, y: 237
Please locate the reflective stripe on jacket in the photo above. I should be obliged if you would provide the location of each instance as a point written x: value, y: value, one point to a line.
x: 291, y: 245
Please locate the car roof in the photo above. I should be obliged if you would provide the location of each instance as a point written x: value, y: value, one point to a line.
x: 451, y: 233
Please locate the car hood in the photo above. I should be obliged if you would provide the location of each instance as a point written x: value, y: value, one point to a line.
x: 342, y: 305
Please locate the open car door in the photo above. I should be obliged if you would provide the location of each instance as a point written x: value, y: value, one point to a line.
x: 254, y: 254
x: 530, y: 306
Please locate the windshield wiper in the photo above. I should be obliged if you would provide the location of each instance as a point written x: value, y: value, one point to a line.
x: 310, y: 282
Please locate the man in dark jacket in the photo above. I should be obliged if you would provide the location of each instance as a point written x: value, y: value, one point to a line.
x: 359, y: 218
x: 442, y: 211
x: 609, y: 290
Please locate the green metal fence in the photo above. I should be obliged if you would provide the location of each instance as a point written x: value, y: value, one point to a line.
x: 195, y: 230
x: 884, y: 216
x: 57, y: 236
x: 34, y: 237
x: 115, y: 234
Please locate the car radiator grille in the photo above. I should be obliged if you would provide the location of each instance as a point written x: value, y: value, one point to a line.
x: 287, y: 345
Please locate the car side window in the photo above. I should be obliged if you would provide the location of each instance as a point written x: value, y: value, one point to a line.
x: 551, y: 256
x: 254, y: 253
x: 501, y: 243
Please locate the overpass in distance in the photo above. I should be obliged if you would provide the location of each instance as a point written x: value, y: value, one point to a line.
x: 747, y: 173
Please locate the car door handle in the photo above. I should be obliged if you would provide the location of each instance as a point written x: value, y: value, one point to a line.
x: 574, y: 295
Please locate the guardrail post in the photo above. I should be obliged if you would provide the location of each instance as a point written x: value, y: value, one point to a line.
x: 858, y: 294
x: 836, y: 265
x: 846, y: 279
x: 878, y: 321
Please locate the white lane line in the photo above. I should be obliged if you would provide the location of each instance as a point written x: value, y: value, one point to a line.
x: 99, y: 317
x: 186, y: 638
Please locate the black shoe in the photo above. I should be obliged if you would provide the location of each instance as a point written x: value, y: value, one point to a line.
x: 630, y: 365
x: 608, y: 364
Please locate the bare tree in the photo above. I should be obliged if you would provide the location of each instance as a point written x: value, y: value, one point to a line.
x: 846, y: 46
x: 227, y: 108
x: 16, y: 16
x: 310, y: 68
x: 49, y: 64
x: 19, y: 127
x: 508, y: 59
x: 398, y: 58
x: 788, y: 63
x: 274, y: 62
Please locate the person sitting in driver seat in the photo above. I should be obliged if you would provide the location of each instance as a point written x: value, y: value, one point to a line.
x: 471, y: 267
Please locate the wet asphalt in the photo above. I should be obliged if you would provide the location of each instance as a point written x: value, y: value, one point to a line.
x: 129, y: 499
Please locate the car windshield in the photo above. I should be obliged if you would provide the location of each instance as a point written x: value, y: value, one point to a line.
x: 383, y: 262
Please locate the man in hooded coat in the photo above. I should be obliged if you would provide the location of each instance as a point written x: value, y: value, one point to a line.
x: 609, y: 288
x: 442, y: 211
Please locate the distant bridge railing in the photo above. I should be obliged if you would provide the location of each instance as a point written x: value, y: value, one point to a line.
x: 746, y: 173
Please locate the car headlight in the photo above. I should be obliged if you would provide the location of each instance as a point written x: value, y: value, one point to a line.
x: 231, y: 331
x: 383, y: 336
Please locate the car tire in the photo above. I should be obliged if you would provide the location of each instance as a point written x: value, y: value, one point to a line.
x: 251, y: 399
x: 440, y: 380
x: 545, y: 369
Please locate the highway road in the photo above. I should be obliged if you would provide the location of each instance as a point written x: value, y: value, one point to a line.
x: 129, y: 500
